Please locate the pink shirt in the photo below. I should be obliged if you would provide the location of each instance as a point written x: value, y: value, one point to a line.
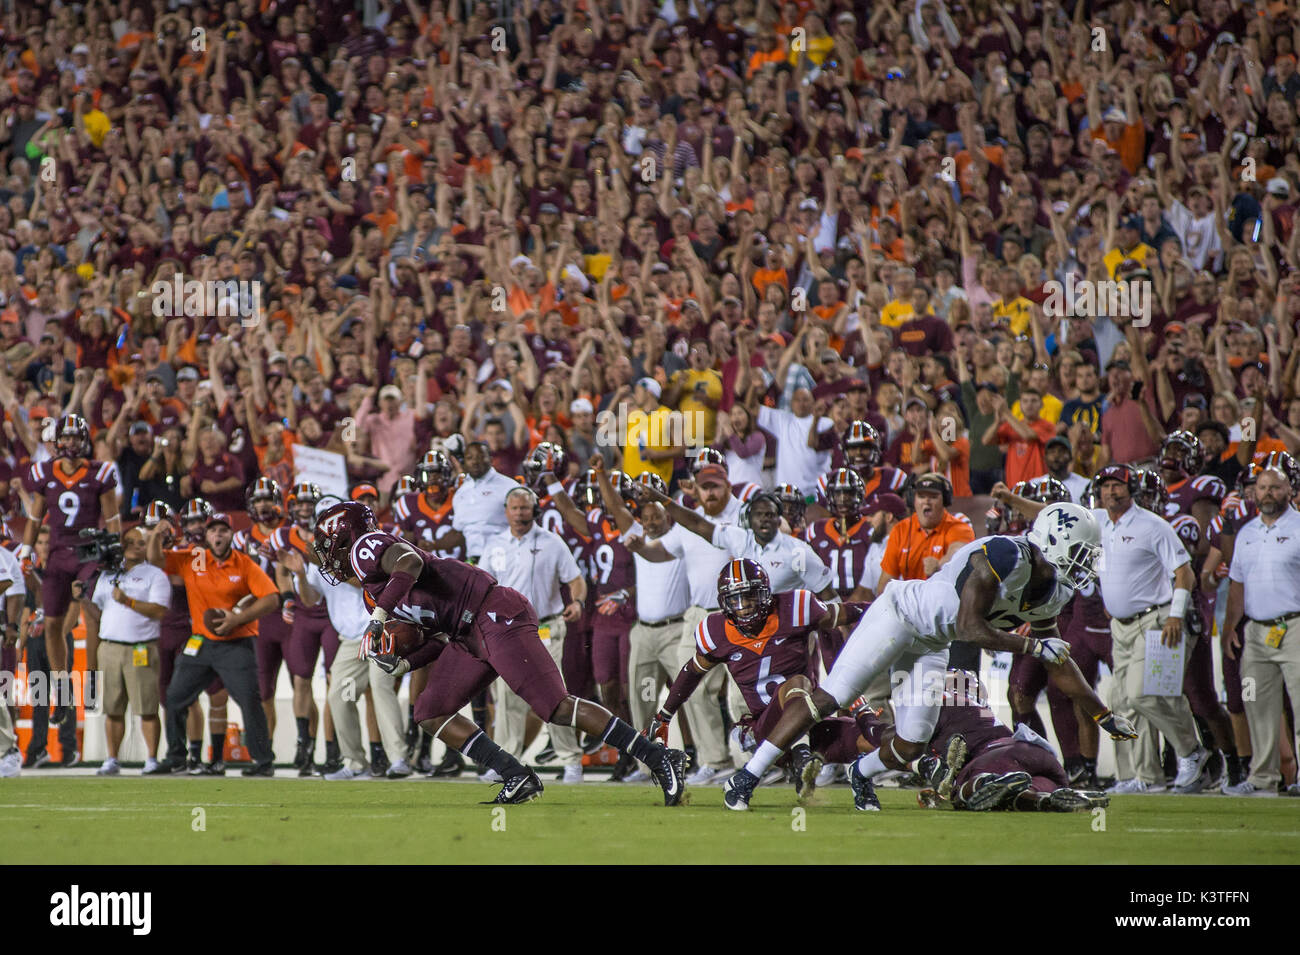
x: 392, y: 440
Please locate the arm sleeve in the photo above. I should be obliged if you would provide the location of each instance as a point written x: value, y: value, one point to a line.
x: 729, y: 537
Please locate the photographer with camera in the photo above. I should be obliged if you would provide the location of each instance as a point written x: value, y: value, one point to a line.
x: 126, y: 609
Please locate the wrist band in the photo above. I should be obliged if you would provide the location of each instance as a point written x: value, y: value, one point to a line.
x: 554, y: 488
x: 1178, y: 606
x: 379, y: 615
x: 1101, y: 716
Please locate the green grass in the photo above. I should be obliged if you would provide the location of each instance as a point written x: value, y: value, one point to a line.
x: 283, y: 821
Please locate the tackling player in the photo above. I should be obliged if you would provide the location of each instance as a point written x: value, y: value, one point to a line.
x: 75, y: 492
x: 489, y: 631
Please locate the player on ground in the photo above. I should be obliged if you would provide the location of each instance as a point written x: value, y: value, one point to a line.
x: 71, y: 493
x: 764, y: 640
x: 990, y: 586
x: 489, y: 631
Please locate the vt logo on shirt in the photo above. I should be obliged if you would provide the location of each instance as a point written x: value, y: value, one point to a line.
x: 1127, y: 540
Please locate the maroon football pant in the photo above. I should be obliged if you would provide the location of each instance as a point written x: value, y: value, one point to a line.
x: 273, y: 636
x: 311, y: 634
x: 611, y: 646
x: 1046, y: 774
x: 61, y: 570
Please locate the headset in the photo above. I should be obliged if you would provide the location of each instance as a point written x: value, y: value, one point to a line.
x: 761, y: 496
x: 1119, y: 472
x: 532, y: 496
x: 926, y: 482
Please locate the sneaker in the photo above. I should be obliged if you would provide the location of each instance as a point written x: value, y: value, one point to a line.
x: 637, y: 775
x: 704, y: 775
x: 738, y: 789
x: 998, y: 792
x: 807, y: 766
x: 624, y: 766
x: 864, y: 793
x: 518, y: 789
x: 215, y: 768
x: 669, y: 772
x: 1076, y: 800
x: 1191, y: 770
x: 546, y: 755
x: 1129, y: 787
x: 194, y: 766
x: 302, y: 755
x: 425, y: 766
x: 70, y: 759
x: 453, y: 764
x: 36, y: 760
x: 150, y: 764
x: 1292, y: 790
x: 572, y: 774
x: 110, y: 768
x: 167, y: 768
x: 831, y: 773
x: 491, y: 776
x: 399, y: 770
x: 259, y: 769
x: 347, y: 772
x: 742, y: 737
x: 1247, y: 788
x: 11, y: 764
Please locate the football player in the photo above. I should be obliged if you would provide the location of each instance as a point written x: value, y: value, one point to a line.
x: 764, y: 640
x: 991, y: 586
x: 474, y: 631
x: 311, y: 633
x: 842, y: 542
x: 863, y: 452
x: 424, y: 515
x: 1190, y: 492
x: 794, y: 508
x: 71, y: 493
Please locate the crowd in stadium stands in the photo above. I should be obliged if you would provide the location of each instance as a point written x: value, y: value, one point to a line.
x: 951, y: 248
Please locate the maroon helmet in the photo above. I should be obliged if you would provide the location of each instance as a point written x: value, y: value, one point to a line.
x: 265, y: 501
x: 1182, y: 451
x: 337, y: 529
x: 648, y: 479
x: 1283, y: 461
x: 72, y: 437
x: 547, y: 456
x: 792, y: 503
x: 862, y: 446
x: 846, y: 493
x: 744, y: 593
x: 1152, y: 492
x: 435, y: 470
x: 1048, y: 490
x: 707, y: 456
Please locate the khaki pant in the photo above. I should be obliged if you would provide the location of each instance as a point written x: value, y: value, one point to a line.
x: 1170, y: 715
x: 654, y: 652
x: 349, y: 678
x: 1270, y: 670
x: 123, y: 680
x: 702, y: 708
x: 7, y: 739
x: 511, y: 719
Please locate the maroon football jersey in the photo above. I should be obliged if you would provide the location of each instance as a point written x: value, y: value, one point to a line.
x: 845, y: 555
x: 552, y: 520
x: 1187, y: 492
x: 883, y: 480
x: 963, y: 712
x: 418, y: 520
x: 761, y: 663
x: 444, y: 598
x: 254, y: 542
x: 290, y: 537
x: 71, y: 500
x: 1086, y: 608
x: 1236, y: 512
x: 610, y: 565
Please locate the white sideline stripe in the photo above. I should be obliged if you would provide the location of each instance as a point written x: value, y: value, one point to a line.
x: 1236, y: 832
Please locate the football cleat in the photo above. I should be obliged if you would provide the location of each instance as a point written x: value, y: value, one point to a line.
x: 1076, y: 800
x: 309, y: 768
x: 545, y: 755
x: 215, y: 768
x: 997, y: 791
x: 737, y: 791
x: 167, y: 767
x: 71, y: 757
x: 670, y: 773
x: 260, y: 769
x: 956, y: 759
x: 623, y: 768
x: 806, y: 765
x: 864, y: 793
x: 519, y: 789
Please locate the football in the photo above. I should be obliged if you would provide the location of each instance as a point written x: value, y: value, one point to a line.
x: 406, y: 637
x: 213, y: 615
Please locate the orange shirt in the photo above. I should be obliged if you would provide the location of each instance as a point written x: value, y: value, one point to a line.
x: 765, y: 277
x: 909, y: 545
x: 216, y: 583
x: 1130, y: 145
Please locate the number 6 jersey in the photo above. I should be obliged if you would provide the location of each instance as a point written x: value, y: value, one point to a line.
x: 71, y: 500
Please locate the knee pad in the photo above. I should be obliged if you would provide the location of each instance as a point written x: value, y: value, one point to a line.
x: 807, y: 697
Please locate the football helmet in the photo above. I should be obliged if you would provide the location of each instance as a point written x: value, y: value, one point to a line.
x: 1287, y: 464
x: 1048, y: 490
x: 745, y: 594
x: 648, y: 479
x: 72, y: 437
x: 547, y: 456
x: 846, y: 493
x: 194, y: 520
x: 707, y: 456
x: 302, y: 502
x: 435, y: 470
x: 264, y: 501
x: 1152, y: 492
x: 793, y: 503
x: 1182, y: 451
x: 337, y: 529
x: 156, y: 512
x: 405, y: 485
x: 862, y: 446
x: 1069, y: 538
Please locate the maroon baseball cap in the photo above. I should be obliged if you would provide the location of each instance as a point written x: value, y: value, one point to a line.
x: 219, y: 517
x: 713, y: 474
x: 887, y: 502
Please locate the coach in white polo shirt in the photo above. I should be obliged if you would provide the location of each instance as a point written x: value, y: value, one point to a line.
x: 349, y: 677
x: 535, y: 562
x: 478, y: 507
x: 1141, y: 555
x: 1264, y: 586
x: 130, y: 606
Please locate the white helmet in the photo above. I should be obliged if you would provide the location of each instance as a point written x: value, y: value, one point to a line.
x: 1069, y: 537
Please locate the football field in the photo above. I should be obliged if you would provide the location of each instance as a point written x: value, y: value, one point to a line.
x: 81, y: 819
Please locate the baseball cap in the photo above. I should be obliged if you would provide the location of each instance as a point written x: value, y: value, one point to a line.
x: 1175, y: 328
x: 141, y: 427
x: 499, y: 383
x: 987, y: 386
x: 1195, y: 400
x: 712, y: 474
x: 650, y: 385
x: 1117, y: 363
x: 361, y: 490
x: 219, y: 517
x: 277, y: 356
x: 1278, y: 186
x: 1062, y: 440
x: 890, y: 503
x: 188, y: 373
x: 391, y: 391
x: 580, y: 406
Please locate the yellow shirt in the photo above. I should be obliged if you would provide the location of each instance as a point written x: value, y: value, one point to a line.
x: 1139, y: 254
x: 595, y: 265
x: 1052, y: 408
x: 1016, y: 312
x: 97, y: 126
x: 897, y: 312
x: 701, y: 421
x: 818, y: 47
x: 655, y: 432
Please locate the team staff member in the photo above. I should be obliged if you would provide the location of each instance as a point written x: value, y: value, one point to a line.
x: 1143, y: 553
x: 535, y: 562
x: 479, y: 504
x: 216, y: 579
x: 1262, y: 587
x: 127, y: 611
x: 14, y: 590
x: 351, y: 675
x: 917, y: 547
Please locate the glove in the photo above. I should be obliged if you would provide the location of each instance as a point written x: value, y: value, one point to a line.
x: 286, y: 610
x: 1052, y: 650
x: 374, y: 641
x: 1117, y: 726
x: 23, y: 553
x: 658, y: 728
x: 390, y: 664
